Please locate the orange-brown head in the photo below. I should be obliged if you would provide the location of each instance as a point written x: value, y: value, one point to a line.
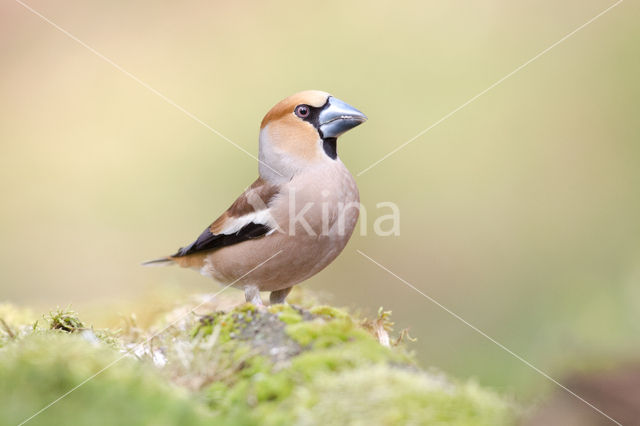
x: 302, y: 129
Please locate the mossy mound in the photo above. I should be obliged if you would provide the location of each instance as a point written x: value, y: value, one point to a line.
x: 322, y: 366
x: 273, y: 366
x: 396, y: 397
x: 40, y: 368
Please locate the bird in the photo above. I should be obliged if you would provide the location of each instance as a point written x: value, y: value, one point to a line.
x: 297, y: 216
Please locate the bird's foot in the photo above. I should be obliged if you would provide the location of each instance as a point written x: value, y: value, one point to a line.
x: 252, y: 295
x: 279, y: 296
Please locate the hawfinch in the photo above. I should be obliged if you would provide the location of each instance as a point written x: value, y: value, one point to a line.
x: 297, y: 216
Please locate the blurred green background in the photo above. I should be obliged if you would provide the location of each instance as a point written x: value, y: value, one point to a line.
x: 519, y: 213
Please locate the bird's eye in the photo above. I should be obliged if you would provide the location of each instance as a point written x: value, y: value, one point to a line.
x: 302, y: 111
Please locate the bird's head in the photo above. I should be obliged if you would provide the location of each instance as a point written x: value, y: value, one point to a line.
x: 301, y: 130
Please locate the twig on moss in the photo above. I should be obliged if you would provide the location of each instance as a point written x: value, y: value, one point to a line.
x: 7, y: 328
x: 404, y: 334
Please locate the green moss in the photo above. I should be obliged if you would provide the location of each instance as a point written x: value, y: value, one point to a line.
x: 204, y: 327
x: 245, y: 307
x: 64, y: 320
x: 395, y: 396
x: 325, y: 333
x: 286, y: 313
x: 226, y: 324
x: 383, y: 381
x: 329, y: 312
x: 332, y: 343
x: 40, y: 368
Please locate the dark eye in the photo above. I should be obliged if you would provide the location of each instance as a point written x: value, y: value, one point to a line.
x: 302, y: 111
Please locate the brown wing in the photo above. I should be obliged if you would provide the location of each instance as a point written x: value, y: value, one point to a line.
x: 241, y: 221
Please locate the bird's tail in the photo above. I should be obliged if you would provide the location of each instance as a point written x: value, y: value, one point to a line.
x: 163, y: 261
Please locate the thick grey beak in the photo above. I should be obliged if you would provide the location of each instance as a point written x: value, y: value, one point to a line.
x: 337, y: 117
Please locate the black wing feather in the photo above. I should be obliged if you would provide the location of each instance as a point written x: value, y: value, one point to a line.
x: 209, y: 241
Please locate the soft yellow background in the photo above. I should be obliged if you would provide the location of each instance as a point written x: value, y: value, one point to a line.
x: 520, y: 212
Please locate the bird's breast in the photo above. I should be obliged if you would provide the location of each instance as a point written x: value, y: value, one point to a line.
x: 321, y: 203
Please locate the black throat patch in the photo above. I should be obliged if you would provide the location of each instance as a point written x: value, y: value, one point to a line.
x: 330, y: 147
